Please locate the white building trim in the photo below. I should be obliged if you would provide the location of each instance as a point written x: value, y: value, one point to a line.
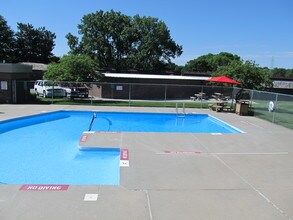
x: 153, y: 76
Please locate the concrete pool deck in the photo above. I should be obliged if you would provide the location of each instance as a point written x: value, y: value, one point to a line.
x: 174, y: 175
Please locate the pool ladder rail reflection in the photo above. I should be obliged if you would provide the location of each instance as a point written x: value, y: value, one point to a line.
x: 183, y: 113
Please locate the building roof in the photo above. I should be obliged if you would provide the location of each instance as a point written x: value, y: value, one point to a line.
x: 153, y: 76
x: 283, y: 84
x: 13, y: 68
x: 37, y: 66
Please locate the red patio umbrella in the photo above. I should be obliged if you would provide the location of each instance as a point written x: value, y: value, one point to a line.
x: 223, y: 79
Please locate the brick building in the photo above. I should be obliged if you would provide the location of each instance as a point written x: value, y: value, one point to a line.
x: 15, y: 80
x: 149, y: 86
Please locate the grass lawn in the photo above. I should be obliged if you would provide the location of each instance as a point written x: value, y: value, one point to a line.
x: 282, y: 115
x: 123, y: 103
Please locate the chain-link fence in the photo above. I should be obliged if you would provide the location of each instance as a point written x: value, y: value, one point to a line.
x: 274, y: 107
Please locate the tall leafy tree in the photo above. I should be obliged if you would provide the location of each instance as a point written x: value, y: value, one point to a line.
x: 281, y: 73
x: 77, y: 68
x: 289, y: 73
x: 202, y: 64
x: 34, y: 44
x: 118, y: 41
x: 152, y: 46
x: 210, y: 62
x: 248, y: 73
x: 105, y: 37
x: 6, y: 41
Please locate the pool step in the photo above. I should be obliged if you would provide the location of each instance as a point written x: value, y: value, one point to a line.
x: 97, y: 140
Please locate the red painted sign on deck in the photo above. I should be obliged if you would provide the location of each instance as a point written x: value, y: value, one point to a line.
x: 83, y: 138
x: 124, y: 154
x: 41, y: 187
x: 182, y: 152
x: 124, y: 158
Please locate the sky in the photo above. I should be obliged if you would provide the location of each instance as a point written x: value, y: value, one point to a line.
x: 257, y: 30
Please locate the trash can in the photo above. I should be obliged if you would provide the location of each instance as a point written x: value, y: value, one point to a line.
x: 242, y: 107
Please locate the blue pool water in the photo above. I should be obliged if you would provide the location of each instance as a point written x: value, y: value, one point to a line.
x: 42, y: 149
x: 160, y: 122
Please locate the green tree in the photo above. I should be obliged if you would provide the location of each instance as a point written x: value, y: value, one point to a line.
x: 77, y: 68
x: 201, y: 64
x: 289, y: 73
x: 118, y: 41
x: 6, y: 41
x: 105, y: 37
x: 210, y: 62
x: 34, y: 44
x: 153, y: 45
x: 281, y: 73
x: 249, y: 74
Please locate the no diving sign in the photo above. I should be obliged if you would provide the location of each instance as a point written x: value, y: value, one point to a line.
x: 41, y: 187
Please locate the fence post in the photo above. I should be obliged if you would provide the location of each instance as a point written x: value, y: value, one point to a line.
x: 92, y: 92
x: 201, y: 96
x: 276, y: 100
x: 129, y: 94
x: 165, y: 94
x: 52, y: 99
x: 251, y: 98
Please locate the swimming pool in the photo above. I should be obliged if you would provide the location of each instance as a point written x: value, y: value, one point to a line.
x: 42, y: 149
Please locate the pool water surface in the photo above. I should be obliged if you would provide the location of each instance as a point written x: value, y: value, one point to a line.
x: 42, y: 149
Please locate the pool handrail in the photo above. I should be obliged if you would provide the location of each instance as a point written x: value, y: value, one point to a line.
x: 92, y: 121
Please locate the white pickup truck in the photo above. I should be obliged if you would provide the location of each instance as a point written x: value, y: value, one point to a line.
x: 48, y: 89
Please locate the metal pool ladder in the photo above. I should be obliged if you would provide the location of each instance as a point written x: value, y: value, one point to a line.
x: 183, y: 110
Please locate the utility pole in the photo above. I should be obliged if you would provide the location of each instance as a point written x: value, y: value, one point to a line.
x: 272, y: 63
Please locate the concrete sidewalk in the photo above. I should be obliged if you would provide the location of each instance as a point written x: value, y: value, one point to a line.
x: 174, y: 175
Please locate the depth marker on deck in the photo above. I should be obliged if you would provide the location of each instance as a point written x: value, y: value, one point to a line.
x: 83, y: 138
x: 124, y: 158
x: 90, y: 197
